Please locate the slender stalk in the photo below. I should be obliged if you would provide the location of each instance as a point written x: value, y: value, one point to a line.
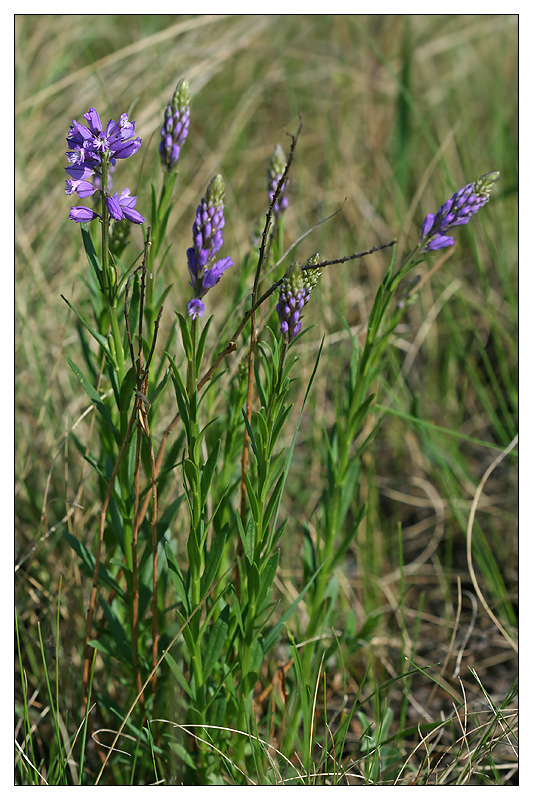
x: 98, y: 556
x: 134, y: 560
x: 110, y: 278
x: 261, y: 551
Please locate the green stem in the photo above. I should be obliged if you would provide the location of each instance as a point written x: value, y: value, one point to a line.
x: 195, y: 543
x: 110, y: 278
x: 260, y: 554
x: 117, y: 339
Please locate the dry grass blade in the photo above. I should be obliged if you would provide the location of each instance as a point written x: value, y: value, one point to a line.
x: 499, y: 458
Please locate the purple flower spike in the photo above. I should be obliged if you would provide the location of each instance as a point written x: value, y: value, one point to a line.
x: 458, y: 210
x: 175, y: 126
x: 207, y: 239
x: 276, y: 168
x: 294, y: 294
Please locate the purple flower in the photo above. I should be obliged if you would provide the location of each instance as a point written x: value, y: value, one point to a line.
x: 80, y: 172
x: 93, y: 152
x: 82, y: 187
x: 294, y: 294
x: 175, y: 125
x: 207, y: 239
x: 276, y: 168
x: 82, y: 214
x: 458, y: 210
x: 195, y: 307
x: 88, y: 143
x: 123, y: 207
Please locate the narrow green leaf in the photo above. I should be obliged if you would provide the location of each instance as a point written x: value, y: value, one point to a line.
x: 177, y: 577
x: 273, y: 635
x: 181, y: 392
x: 154, y: 395
x: 247, y: 535
x: 118, y: 633
x: 268, y: 574
x: 218, y: 708
x: 102, y: 341
x: 94, y: 396
x: 252, y: 499
x: 193, y: 476
x: 262, y: 430
x: 254, y: 581
x: 213, y: 560
x: 278, y: 534
x: 251, y: 435
x: 215, y: 643
x: 178, y: 674
x: 126, y: 391
x: 185, y: 336
x: 347, y: 493
x: 160, y: 299
x: 168, y: 515
x: 249, y: 680
x: 90, y: 252
x: 274, y: 500
x: 89, y: 560
x: 198, y: 441
x: 237, y: 610
x: 200, y: 348
x: 256, y: 655
x: 208, y: 471
x: 279, y: 423
x: 341, y: 548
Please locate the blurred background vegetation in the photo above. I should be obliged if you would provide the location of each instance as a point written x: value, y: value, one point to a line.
x: 399, y: 111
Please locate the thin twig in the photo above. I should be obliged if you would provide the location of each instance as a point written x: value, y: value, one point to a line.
x: 469, y: 532
x: 350, y: 258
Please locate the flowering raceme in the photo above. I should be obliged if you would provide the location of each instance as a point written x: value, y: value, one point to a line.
x: 92, y: 152
x: 434, y: 233
x: 175, y: 126
x: 207, y: 238
x: 294, y: 294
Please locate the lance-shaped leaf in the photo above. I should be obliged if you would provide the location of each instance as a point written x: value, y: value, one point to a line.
x: 94, y: 397
x: 215, y: 642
